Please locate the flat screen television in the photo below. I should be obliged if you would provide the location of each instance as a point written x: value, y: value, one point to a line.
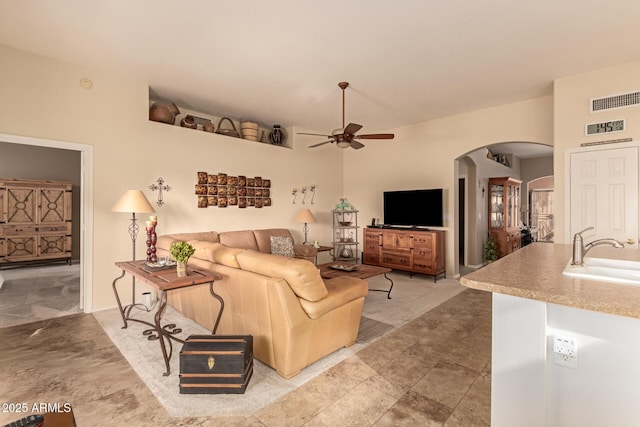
x: 413, y: 208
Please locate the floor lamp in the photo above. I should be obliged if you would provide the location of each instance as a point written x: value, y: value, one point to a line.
x: 307, y: 217
x: 131, y: 202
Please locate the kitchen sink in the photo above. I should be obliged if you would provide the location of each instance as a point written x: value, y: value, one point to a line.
x: 607, y: 270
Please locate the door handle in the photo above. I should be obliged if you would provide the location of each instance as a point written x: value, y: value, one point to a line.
x: 630, y: 241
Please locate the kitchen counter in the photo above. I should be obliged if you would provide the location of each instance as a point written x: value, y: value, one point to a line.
x: 535, y: 272
x: 533, y: 306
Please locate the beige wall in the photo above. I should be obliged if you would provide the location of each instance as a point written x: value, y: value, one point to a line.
x: 571, y: 106
x: 423, y: 156
x: 43, y: 98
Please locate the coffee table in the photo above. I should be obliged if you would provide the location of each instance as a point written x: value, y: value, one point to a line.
x: 164, y: 280
x: 361, y: 271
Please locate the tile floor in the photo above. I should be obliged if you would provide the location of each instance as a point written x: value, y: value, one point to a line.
x: 433, y: 371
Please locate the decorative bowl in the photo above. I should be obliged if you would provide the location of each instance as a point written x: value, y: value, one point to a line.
x: 344, y: 223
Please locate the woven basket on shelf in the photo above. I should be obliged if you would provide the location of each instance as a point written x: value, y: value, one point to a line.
x: 228, y: 132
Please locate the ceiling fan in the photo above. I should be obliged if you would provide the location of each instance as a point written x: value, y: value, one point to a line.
x: 346, y: 136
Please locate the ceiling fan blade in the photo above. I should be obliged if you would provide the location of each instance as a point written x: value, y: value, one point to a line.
x: 314, y: 134
x: 320, y: 143
x: 352, y: 128
x: 376, y: 136
x: 356, y: 145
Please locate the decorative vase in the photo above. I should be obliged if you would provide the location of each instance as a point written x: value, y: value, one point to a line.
x: 189, y: 122
x: 164, y: 113
x: 181, y: 268
x: 277, y: 135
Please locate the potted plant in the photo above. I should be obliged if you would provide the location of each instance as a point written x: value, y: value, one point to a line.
x: 490, y: 249
x: 181, y: 252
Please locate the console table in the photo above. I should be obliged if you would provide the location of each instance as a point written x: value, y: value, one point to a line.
x: 413, y: 250
x: 163, y: 280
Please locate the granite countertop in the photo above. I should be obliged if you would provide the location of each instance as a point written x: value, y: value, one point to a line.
x: 535, y: 272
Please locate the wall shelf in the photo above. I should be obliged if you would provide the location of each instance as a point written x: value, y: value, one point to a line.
x: 201, y: 118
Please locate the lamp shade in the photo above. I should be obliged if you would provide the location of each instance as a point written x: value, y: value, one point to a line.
x: 305, y: 216
x: 133, y: 201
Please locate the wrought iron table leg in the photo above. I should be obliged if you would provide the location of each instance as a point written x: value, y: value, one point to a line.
x: 115, y: 291
x: 219, y: 298
x: 160, y: 332
x: 388, y: 291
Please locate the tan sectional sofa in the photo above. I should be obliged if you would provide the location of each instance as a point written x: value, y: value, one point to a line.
x: 295, y: 316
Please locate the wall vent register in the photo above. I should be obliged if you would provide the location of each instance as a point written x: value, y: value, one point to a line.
x: 615, y: 101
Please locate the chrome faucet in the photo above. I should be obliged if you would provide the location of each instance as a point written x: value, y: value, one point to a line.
x: 580, y: 249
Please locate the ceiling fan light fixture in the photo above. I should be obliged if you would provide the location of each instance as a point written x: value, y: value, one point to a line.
x: 346, y: 136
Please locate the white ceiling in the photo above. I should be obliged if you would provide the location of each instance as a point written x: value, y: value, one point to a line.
x: 279, y: 61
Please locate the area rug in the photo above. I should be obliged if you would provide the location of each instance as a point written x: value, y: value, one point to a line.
x: 411, y: 295
x: 371, y: 329
x: 30, y: 294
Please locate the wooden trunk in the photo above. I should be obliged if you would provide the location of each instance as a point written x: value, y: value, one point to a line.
x: 216, y: 364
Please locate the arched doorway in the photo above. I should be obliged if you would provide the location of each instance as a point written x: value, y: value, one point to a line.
x: 523, y: 160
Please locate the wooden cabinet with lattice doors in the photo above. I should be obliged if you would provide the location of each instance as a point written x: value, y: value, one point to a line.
x: 35, y: 220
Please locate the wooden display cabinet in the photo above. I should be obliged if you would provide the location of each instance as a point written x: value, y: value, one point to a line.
x: 504, y: 214
x: 35, y: 220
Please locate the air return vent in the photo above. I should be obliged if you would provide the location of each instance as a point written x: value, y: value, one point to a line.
x: 615, y: 101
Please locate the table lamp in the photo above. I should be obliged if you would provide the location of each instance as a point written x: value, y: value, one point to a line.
x: 131, y: 202
x: 306, y: 217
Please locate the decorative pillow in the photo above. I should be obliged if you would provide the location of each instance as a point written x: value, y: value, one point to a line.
x: 282, y: 246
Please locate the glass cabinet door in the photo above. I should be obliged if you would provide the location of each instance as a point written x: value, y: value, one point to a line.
x: 504, y: 210
x: 513, y: 202
x: 497, y: 206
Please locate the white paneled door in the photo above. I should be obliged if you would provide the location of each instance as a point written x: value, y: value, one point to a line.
x: 604, y: 193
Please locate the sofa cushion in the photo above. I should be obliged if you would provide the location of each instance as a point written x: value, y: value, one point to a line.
x: 238, y: 239
x: 263, y: 237
x: 201, y: 247
x: 342, y: 290
x: 224, y: 255
x: 282, y: 246
x: 302, y: 276
x: 164, y: 242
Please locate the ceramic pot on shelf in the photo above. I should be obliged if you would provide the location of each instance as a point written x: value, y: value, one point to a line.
x: 277, y: 136
x: 163, y: 113
x: 189, y: 122
x: 208, y: 127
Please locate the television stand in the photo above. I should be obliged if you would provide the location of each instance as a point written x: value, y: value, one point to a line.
x: 412, y: 250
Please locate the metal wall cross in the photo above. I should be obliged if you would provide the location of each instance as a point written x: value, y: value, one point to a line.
x: 160, y: 187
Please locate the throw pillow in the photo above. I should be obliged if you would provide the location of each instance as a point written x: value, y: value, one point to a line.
x: 282, y: 246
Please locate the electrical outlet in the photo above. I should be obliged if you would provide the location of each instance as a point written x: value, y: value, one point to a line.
x: 566, y: 361
x: 565, y: 351
x: 565, y: 345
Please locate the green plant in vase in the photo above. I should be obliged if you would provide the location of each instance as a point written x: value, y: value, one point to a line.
x: 181, y: 252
